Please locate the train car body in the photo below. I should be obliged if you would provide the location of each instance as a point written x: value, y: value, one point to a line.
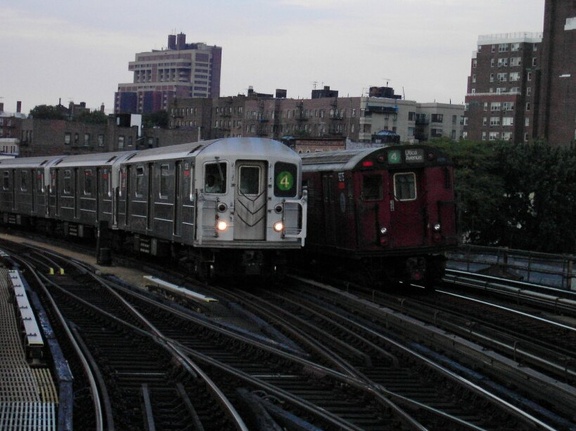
x: 227, y: 207
x: 24, y: 188
x: 390, y: 211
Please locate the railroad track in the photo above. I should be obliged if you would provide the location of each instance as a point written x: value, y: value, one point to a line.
x: 385, y: 349
x: 134, y: 378
x: 299, y: 357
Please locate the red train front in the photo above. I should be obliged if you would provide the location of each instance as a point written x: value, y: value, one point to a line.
x: 386, y: 213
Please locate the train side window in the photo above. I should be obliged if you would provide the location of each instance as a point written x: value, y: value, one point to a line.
x: 6, y: 181
x: 106, y: 183
x: 139, y: 192
x: 250, y: 180
x: 405, y: 186
x: 87, y: 182
x: 215, y: 178
x: 40, y: 182
x: 164, y: 181
x: 372, y: 187
x: 67, y: 189
x: 24, y: 181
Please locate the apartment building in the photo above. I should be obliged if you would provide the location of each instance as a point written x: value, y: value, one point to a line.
x: 325, y: 115
x: 180, y: 71
x: 557, y: 113
x: 502, y: 95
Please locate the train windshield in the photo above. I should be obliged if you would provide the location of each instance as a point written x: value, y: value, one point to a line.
x: 215, y: 179
x: 372, y: 187
x: 405, y: 186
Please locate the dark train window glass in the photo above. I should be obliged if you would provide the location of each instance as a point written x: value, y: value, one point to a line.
x: 215, y: 178
x: 40, y: 182
x: 250, y: 180
x: 24, y: 181
x: 164, y: 181
x: 139, y: 192
x: 405, y: 186
x: 6, y: 181
x: 106, y: 182
x: 372, y: 187
x: 87, y: 182
x: 67, y: 189
x: 285, y: 175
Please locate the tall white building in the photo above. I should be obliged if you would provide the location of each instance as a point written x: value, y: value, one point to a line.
x: 182, y: 70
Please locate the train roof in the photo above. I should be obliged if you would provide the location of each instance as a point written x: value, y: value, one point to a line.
x: 95, y: 159
x: 234, y: 147
x: 29, y: 162
x: 393, y: 156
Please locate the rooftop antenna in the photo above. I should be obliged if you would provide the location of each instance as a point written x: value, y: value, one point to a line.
x: 314, y: 83
x: 387, y: 81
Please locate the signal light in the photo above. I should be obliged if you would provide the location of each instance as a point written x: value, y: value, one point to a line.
x: 221, y: 225
x: 278, y: 226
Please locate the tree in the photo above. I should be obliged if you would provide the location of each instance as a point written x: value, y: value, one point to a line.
x: 94, y: 117
x: 47, y: 112
x: 156, y: 119
x: 479, y: 189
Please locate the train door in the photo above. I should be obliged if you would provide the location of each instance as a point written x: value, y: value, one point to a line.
x: 407, y: 215
x: 53, y: 201
x: 177, y: 217
x: 330, y: 206
x: 150, y: 198
x: 250, y: 201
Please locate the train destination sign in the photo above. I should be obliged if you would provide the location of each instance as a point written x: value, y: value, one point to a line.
x: 412, y: 155
x: 415, y: 155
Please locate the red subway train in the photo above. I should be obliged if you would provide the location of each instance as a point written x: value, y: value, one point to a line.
x: 382, y: 215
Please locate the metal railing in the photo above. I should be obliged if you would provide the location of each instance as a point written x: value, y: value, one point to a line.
x: 554, y: 270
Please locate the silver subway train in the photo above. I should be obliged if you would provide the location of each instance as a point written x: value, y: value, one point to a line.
x: 228, y: 206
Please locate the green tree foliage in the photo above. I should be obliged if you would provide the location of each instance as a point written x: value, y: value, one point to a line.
x: 47, y: 112
x: 479, y: 189
x: 515, y: 195
x: 94, y: 117
x: 540, y: 199
x: 155, y: 119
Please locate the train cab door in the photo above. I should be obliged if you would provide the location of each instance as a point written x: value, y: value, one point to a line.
x: 329, y: 231
x: 406, y: 204
x: 250, y: 199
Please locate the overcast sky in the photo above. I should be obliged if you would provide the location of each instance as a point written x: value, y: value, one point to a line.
x: 79, y: 50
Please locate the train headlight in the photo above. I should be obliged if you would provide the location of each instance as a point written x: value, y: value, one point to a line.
x: 278, y: 226
x: 383, y: 231
x: 437, y: 227
x: 278, y: 208
x: 221, y: 225
x: 222, y: 207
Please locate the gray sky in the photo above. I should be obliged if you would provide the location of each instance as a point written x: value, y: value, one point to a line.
x: 79, y: 50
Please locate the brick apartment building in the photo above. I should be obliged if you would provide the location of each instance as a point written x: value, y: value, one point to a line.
x: 557, y: 111
x: 522, y: 86
x: 502, y: 97
x: 323, y: 116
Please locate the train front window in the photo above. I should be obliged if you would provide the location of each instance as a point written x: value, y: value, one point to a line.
x: 249, y: 180
x: 215, y: 178
x: 372, y: 187
x: 405, y: 186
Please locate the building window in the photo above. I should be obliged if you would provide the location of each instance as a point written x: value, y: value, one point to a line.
x: 100, y: 140
x: 86, y: 139
x: 437, y: 118
x: 120, y: 142
x: 508, y: 121
x: 67, y: 138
